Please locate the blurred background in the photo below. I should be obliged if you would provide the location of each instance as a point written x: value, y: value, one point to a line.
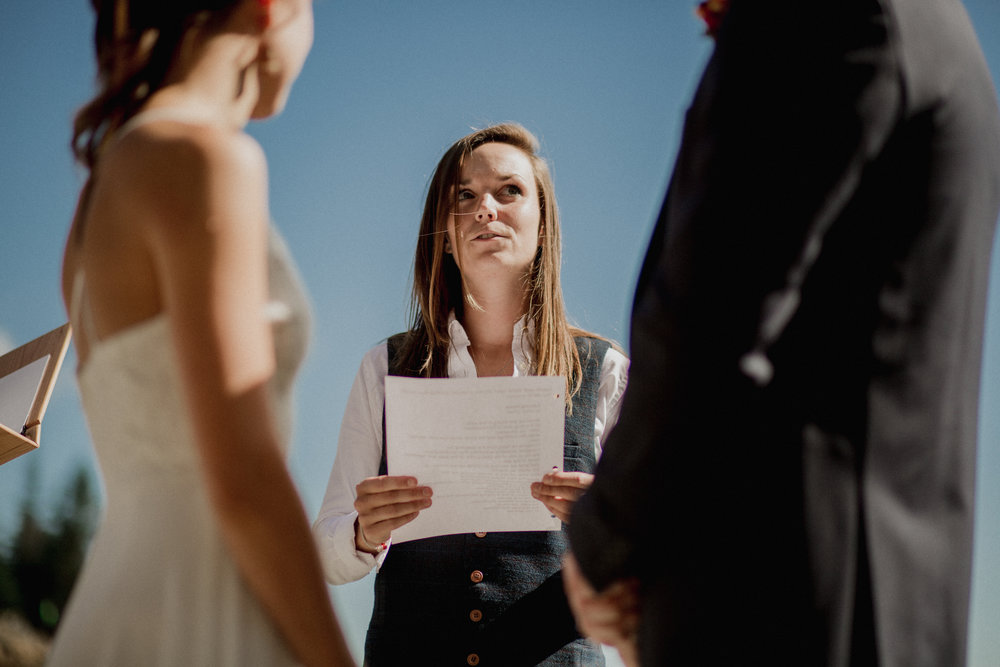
x: 388, y: 87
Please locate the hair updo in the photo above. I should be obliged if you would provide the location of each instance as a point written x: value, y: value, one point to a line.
x: 135, y: 42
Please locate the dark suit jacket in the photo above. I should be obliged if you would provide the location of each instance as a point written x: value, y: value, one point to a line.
x: 799, y: 429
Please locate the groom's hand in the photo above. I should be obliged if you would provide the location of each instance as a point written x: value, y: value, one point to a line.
x: 611, y: 616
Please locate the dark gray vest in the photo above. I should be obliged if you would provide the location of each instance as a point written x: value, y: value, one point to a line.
x: 489, y: 599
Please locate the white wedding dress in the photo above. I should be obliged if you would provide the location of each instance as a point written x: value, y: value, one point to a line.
x: 159, y: 587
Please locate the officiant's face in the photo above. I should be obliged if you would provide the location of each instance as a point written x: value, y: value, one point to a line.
x: 494, y: 224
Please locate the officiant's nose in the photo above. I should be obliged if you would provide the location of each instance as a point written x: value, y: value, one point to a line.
x: 487, y: 211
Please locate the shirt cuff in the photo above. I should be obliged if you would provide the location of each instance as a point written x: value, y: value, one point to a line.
x: 342, y: 561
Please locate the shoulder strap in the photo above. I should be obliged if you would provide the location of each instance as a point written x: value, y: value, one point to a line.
x: 392, y: 345
x: 80, y: 316
x: 591, y: 349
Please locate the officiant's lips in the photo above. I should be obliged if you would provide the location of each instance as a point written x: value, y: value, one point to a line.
x: 489, y: 235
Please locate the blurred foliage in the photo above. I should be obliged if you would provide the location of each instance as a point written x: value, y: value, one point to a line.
x: 40, y: 563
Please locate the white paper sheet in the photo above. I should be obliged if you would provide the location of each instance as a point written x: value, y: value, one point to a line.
x: 479, y: 443
x: 17, y: 393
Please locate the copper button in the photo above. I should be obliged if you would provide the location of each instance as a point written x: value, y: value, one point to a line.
x: 481, y: 533
x: 475, y: 615
x: 472, y: 659
x: 476, y: 576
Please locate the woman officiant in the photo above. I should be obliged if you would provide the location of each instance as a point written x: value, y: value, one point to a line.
x: 487, y: 302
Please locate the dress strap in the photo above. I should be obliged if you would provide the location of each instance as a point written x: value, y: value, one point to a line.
x: 80, y: 316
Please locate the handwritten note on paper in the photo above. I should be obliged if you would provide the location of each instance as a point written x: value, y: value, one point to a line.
x: 479, y: 443
x: 17, y: 393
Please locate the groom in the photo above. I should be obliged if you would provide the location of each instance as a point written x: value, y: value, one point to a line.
x: 791, y: 478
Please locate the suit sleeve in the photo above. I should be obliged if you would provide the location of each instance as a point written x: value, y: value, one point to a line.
x: 782, y: 127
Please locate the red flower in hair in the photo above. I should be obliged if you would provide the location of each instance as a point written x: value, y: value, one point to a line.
x: 711, y: 12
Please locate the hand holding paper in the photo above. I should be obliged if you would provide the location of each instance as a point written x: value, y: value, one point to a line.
x: 384, y: 504
x: 559, y: 490
x: 479, y: 443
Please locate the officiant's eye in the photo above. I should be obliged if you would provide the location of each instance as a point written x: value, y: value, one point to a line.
x: 465, y: 202
x: 511, y: 190
x: 463, y: 199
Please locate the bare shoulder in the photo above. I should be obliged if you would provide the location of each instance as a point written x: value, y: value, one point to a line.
x: 179, y: 175
x: 179, y: 146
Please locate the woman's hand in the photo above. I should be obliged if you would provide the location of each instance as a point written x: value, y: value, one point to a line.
x: 610, y: 617
x: 559, y: 490
x: 385, y: 503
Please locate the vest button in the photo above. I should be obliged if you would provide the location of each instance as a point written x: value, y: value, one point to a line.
x: 475, y: 615
x: 476, y: 576
x: 481, y: 533
x: 472, y: 659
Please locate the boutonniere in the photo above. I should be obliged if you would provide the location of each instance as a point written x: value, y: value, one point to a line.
x: 711, y: 12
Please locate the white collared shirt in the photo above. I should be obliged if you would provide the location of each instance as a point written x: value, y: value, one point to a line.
x: 359, y: 448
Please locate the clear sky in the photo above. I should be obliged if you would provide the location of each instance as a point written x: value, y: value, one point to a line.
x: 388, y: 86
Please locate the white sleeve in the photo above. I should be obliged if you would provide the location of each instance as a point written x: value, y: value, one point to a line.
x: 614, y: 379
x: 359, y: 452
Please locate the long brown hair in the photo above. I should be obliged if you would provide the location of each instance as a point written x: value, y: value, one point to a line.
x: 136, y: 42
x: 437, y: 282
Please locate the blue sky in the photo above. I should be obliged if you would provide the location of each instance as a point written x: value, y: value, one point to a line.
x: 388, y: 86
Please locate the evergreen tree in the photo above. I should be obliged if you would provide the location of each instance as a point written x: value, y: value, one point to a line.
x: 38, y: 574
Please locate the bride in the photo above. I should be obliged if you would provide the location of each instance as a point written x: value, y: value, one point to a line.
x: 189, y: 325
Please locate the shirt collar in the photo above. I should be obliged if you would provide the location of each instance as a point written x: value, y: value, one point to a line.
x: 522, y: 346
